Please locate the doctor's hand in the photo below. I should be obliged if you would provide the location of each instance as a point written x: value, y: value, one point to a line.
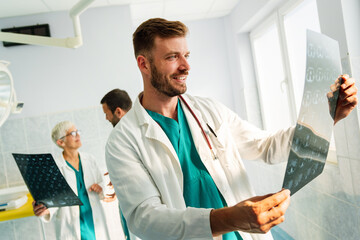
x: 347, y: 99
x: 254, y: 215
x: 40, y: 209
x: 95, y: 188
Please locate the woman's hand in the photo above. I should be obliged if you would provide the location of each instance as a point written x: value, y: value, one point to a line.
x: 40, y: 209
x: 95, y: 188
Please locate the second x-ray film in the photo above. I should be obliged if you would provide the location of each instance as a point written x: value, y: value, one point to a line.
x: 45, y: 181
x: 311, y: 141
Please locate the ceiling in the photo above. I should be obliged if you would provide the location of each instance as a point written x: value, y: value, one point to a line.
x: 141, y: 10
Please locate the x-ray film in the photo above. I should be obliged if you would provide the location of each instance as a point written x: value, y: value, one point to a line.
x: 310, y: 144
x: 45, y: 181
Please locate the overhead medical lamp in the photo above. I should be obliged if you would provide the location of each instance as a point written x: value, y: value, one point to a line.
x: 71, y: 42
x: 8, y: 102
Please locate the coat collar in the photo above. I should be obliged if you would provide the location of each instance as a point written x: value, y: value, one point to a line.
x: 61, y: 162
x: 154, y: 131
x: 151, y: 129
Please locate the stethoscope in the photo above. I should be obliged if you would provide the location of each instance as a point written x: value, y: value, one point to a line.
x: 202, y: 129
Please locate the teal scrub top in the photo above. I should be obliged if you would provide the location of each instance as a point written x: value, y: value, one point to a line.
x: 87, y: 230
x: 124, y: 226
x: 200, y: 190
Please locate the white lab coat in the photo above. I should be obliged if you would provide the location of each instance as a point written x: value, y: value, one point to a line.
x: 145, y: 170
x: 67, y: 219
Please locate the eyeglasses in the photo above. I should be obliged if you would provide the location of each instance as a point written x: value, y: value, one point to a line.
x: 73, y: 134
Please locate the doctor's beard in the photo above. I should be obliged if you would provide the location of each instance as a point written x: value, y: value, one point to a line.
x: 164, y: 84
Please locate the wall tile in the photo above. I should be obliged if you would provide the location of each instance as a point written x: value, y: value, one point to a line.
x: 55, y: 118
x: 97, y: 149
x: 7, y: 230
x: 13, y: 174
x: 353, y: 135
x: 105, y: 127
x: 29, y: 227
x: 1, y: 144
x: 310, y: 230
x: 3, y: 178
x: 340, y: 139
x: 307, y: 202
x: 38, y: 150
x: 289, y: 225
x: 13, y: 136
x: 37, y: 132
x: 355, y: 177
x: 337, y: 217
x: 336, y: 180
x: 87, y: 121
x: 300, y: 223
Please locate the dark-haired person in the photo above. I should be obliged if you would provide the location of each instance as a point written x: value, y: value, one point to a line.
x: 116, y: 104
x: 176, y: 160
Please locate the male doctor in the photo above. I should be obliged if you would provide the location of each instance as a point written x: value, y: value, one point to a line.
x: 116, y: 104
x: 174, y: 159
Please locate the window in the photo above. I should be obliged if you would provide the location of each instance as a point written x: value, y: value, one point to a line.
x: 280, y: 69
x: 271, y: 79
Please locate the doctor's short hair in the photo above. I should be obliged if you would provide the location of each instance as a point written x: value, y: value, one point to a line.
x: 117, y: 98
x: 60, y: 130
x: 144, y: 35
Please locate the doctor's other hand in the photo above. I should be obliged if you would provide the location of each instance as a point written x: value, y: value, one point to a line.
x: 95, y: 188
x: 254, y: 215
x: 347, y: 99
x: 40, y: 209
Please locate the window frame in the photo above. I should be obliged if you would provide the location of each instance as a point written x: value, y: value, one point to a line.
x: 276, y: 17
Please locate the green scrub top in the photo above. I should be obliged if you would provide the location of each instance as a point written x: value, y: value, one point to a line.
x: 200, y: 190
x: 124, y: 226
x: 87, y: 230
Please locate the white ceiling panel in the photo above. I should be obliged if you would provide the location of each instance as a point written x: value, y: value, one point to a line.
x: 223, y: 5
x: 65, y: 5
x: 100, y: 3
x: 56, y: 5
x: 11, y: 8
x: 123, y: 2
x: 216, y: 14
x: 146, y: 10
x: 140, y: 9
x: 186, y: 7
